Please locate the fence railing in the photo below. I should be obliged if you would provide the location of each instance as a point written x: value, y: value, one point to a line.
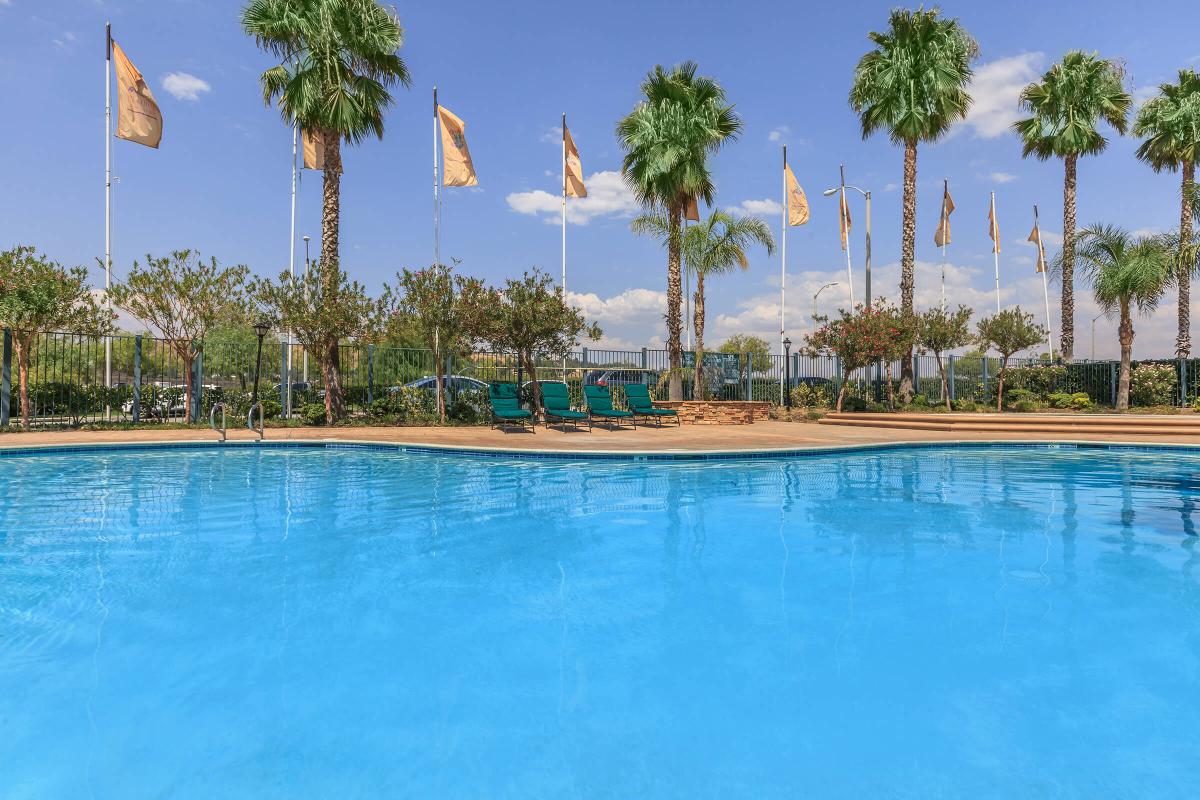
x: 151, y: 382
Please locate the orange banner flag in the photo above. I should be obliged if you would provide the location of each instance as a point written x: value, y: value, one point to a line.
x: 844, y: 221
x: 942, y: 237
x: 1036, y: 237
x: 314, y: 149
x: 138, y: 117
x: 457, y: 169
x: 797, y: 202
x: 691, y: 211
x: 572, y: 167
x: 993, y: 227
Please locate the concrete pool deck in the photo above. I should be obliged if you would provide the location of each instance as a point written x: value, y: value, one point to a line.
x: 762, y: 436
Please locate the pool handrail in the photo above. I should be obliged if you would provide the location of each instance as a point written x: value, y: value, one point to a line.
x: 212, y: 420
x: 261, y: 429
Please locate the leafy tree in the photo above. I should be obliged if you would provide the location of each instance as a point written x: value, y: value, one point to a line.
x: 321, y: 314
x: 714, y: 246
x: 1008, y: 332
x: 529, y: 317
x: 861, y: 338
x: 667, y: 139
x: 939, y: 331
x: 757, y: 347
x: 1125, y: 271
x: 38, y: 296
x: 1170, y: 127
x: 338, y: 62
x: 182, y: 296
x: 442, y: 309
x: 1067, y: 105
x: 913, y: 85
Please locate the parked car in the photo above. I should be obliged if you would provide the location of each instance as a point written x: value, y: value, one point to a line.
x: 620, y: 377
x: 453, y: 383
x: 812, y: 381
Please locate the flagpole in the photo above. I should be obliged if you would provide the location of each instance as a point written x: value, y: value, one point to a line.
x: 945, y: 223
x: 996, y: 250
x: 107, y: 204
x: 564, y: 225
x: 842, y: 212
x: 292, y: 266
x: 783, y: 271
x: 437, y: 206
x: 1045, y: 283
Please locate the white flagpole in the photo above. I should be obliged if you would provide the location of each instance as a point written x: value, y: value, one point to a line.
x: 842, y: 213
x: 996, y: 250
x: 564, y: 224
x: 292, y: 266
x: 437, y: 209
x: 107, y: 203
x: 783, y: 272
x: 944, y: 223
x: 1045, y: 284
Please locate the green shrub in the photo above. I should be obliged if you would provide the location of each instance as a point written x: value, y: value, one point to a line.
x: 806, y: 396
x: 1078, y: 401
x: 965, y: 405
x: 1024, y: 406
x: 812, y: 416
x: 313, y: 413
x: 854, y: 404
x: 1153, y: 385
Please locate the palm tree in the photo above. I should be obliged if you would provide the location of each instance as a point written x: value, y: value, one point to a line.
x: 667, y: 139
x: 338, y: 62
x: 714, y: 246
x: 1170, y: 124
x: 1067, y: 106
x: 914, y: 86
x: 1125, y: 271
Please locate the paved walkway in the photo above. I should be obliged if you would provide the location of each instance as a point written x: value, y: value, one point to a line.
x: 760, y: 436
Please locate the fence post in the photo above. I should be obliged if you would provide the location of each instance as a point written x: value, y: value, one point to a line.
x: 6, y: 380
x: 137, y: 379
x: 285, y: 378
x: 1183, y: 382
x: 370, y: 374
x: 583, y: 361
x: 749, y: 375
x: 916, y: 375
x: 984, y: 371
x: 197, y: 388
x: 950, y: 375
x: 837, y: 377
x: 1112, y: 382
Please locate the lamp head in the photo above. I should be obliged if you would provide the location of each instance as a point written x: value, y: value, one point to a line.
x: 262, y: 328
x: 787, y: 344
x: 830, y: 192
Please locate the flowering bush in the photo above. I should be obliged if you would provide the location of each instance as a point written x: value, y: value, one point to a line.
x: 1153, y: 385
x: 862, y: 337
x: 1041, y: 379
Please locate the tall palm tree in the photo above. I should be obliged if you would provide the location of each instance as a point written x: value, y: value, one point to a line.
x: 667, y: 138
x: 338, y: 61
x: 1125, y: 271
x: 913, y: 85
x: 1067, y: 105
x: 1170, y: 125
x: 714, y: 246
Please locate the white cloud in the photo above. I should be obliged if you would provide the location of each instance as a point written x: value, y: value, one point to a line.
x: 996, y: 89
x: 67, y: 37
x: 607, y: 196
x: 631, y: 305
x: 183, y: 86
x: 1141, y: 94
x: 891, y: 187
x: 1002, y: 177
x: 779, y: 135
x: 760, y: 208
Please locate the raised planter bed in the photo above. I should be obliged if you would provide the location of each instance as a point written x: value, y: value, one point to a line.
x: 717, y: 412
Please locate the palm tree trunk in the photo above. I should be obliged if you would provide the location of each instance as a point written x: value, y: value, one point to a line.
x: 331, y: 204
x: 335, y: 409
x: 698, y: 385
x: 908, y: 248
x: 1067, y: 344
x: 1125, y: 334
x: 675, y: 303
x: 1183, y: 338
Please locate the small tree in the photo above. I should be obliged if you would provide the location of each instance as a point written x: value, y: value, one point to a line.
x: 939, y: 331
x: 182, y: 296
x: 322, y: 309
x: 442, y: 309
x: 759, y: 350
x: 37, y: 296
x: 861, y: 338
x: 1009, y: 332
x: 529, y: 317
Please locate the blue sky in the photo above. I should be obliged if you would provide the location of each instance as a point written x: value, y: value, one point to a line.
x: 220, y: 181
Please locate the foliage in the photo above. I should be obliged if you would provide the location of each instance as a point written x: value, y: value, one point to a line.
x: 940, y: 331
x: 530, y: 317
x: 667, y: 138
x: 759, y: 350
x: 1067, y: 104
x: 1154, y: 385
x: 402, y: 405
x: 38, y: 295
x: 806, y: 395
x: 1077, y: 401
x: 965, y: 404
x: 314, y: 414
x: 1041, y: 379
x: 861, y: 338
x: 1009, y: 332
x: 321, y: 309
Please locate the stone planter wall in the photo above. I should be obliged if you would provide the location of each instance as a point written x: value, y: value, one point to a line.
x: 717, y: 412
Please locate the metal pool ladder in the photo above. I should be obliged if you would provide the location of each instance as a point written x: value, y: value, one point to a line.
x: 212, y: 420
x: 260, y: 430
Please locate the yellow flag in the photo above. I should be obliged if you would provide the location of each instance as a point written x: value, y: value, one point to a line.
x: 314, y: 149
x: 942, y: 237
x: 691, y: 210
x: 572, y: 167
x: 993, y: 227
x: 844, y: 221
x: 797, y: 203
x: 138, y: 117
x: 457, y: 169
x: 1036, y: 237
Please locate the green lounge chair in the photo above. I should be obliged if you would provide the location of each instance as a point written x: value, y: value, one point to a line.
x: 599, y: 403
x: 637, y: 397
x: 506, y: 409
x: 556, y: 406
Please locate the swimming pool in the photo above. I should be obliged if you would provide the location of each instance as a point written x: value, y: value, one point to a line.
x: 339, y: 622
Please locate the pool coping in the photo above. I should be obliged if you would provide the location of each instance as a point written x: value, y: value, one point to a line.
x: 11, y: 451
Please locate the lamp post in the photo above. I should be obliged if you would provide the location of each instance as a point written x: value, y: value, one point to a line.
x: 818, y: 294
x: 261, y: 328
x: 1098, y: 316
x: 787, y: 372
x: 866, y: 194
x: 307, y: 264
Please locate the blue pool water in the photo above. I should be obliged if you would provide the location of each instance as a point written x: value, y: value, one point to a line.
x: 309, y: 622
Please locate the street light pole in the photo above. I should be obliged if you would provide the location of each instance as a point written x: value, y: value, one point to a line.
x: 307, y: 265
x: 818, y: 294
x: 260, y: 329
x: 838, y: 190
x: 787, y: 372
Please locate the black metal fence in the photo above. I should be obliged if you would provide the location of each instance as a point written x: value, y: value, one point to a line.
x: 140, y: 379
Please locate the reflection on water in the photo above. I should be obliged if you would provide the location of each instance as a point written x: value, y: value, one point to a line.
x: 293, y: 623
